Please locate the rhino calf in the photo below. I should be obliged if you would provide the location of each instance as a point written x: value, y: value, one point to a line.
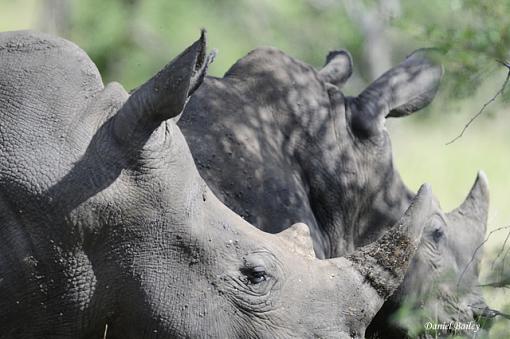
x: 107, y: 228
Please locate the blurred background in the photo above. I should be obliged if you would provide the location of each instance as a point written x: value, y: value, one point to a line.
x: 129, y: 40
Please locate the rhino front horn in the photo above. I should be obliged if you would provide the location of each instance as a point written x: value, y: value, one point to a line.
x: 165, y: 94
x: 383, y: 263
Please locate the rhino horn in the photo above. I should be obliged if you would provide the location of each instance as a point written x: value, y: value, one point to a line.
x: 165, y: 94
x: 338, y: 68
x: 383, y: 263
x: 476, y: 204
x: 402, y: 90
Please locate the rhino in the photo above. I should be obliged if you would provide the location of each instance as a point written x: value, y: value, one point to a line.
x: 278, y: 142
x: 441, y: 284
x: 107, y: 230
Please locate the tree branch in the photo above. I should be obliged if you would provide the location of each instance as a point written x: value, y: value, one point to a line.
x: 501, y: 90
x: 476, y: 251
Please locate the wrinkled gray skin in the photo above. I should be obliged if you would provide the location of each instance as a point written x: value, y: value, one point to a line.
x: 106, y: 225
x: 278, y: 142
x: 442, y: 281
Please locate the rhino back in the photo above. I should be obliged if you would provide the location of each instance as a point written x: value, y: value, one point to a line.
x: 237, y: 149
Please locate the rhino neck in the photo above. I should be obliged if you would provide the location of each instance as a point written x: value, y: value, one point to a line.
x: 382, y: 209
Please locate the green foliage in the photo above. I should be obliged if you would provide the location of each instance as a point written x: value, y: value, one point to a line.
x: 130, y: 39
x: 472, y: 34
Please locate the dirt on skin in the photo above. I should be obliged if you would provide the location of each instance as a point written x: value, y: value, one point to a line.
x: 384, y: 261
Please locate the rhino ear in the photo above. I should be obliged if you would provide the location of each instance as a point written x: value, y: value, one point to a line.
x: 402, y: 90
x: 383, y: 263
x: 338, y: 68
x: 165, y: 94
x: 476, y: 204
x: 299, y: 239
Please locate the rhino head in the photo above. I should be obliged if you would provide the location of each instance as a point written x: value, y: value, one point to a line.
x: 441, y: 285
x: 109, y: 231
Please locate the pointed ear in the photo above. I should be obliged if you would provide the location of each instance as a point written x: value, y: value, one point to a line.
x: 338, y: 68
x: 476, y: 204
x: 402, y: 90
x: 299, y: 239
x: 164, y: 95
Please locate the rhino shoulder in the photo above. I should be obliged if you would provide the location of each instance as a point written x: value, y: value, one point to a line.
x: 53, y: 58
x: 46, y: 74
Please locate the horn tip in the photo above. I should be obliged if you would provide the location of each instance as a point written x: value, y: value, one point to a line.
x: 482, y: 178
x: 425, y: 189
x: 418, y: 211
x: 482, y: 185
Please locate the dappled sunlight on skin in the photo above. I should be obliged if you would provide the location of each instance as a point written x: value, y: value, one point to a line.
x: 293, y: 137
x: 279, y: 118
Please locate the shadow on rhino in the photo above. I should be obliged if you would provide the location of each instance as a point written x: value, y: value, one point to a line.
x: 279, y: 143
x: 107, y: 228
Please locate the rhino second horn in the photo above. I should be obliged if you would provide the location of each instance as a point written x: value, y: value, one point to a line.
x: 164, y: 96
x: 476, y: 204
x: 299, y: 239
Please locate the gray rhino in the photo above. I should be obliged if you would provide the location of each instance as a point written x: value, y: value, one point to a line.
x: 441, y: 284
x: 278, y: 142
x: 108, y: 230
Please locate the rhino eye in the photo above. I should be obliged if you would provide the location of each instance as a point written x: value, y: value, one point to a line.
x: 437, y: 234
x: 256, y: 275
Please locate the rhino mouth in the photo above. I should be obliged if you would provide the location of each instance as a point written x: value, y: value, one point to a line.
x: 202, y: 61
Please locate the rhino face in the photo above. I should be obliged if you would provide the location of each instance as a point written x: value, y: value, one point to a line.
x: 108, y: 229
x: 442, y: 281
x: 451, y: 253
x: 215, y: 275
x: 227, y: 279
